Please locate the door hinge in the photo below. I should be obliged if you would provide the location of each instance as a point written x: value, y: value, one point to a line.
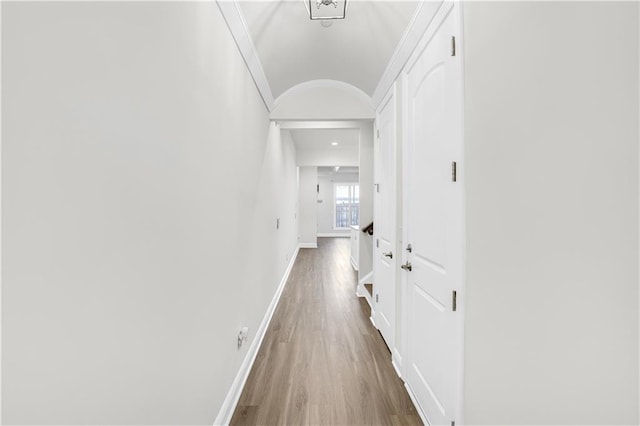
x: 378, y: 133
x: 454, y: 171
x: 409, y: 248
x: 377, y: 187
x: 376, y: 298
x: 377, y: 243
x: 453, y: 45
x: 454, y: 300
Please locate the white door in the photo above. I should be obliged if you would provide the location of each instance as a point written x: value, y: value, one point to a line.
x: 384, y: 219
x: 434, y: 223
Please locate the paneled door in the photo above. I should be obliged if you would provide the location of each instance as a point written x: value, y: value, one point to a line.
x: 433, y: 221
x: 384, y: 206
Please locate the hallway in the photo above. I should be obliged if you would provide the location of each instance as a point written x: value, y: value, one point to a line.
x: 322, y: 361
x: 167, y: 167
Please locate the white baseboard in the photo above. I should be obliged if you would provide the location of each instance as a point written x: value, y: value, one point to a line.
x: 308, y: 245
x: 361, y: 291
x: 396, y: 361
x: 396, y: 367
x: 415, y: 403
x: 354, y: 265
x: 231, y: 401
x: 373, y: 322
x: 334, y: 234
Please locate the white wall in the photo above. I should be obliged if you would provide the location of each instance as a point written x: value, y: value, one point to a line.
x: 343, y: 157
x: 141, y: 187
x: 326, y: 194
x: 552, y: 212
x: 323, y: 100
x: 307, y: 208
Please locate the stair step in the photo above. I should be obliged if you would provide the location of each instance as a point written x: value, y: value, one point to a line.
x: 369, y: 288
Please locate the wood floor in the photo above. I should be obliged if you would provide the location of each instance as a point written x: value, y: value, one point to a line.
x: 322, y: 361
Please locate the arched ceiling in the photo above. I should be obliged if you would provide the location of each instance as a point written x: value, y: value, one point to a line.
x: 293, y: 49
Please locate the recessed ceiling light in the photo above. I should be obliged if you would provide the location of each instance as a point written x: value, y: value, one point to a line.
x: 334, y: 143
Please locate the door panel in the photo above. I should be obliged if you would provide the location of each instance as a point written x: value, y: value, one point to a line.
x: 385, y: 221
x: 433, y: 226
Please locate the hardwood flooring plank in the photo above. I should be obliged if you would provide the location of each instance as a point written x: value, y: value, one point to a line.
x: 245, y: 414
x: 322, y: 362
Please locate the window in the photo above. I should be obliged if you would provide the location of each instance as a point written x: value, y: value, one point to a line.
x: 345, y: 205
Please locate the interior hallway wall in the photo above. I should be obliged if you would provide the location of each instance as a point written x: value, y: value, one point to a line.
x: 141, y: 184
x: 326, y: 194
x: 307, y: 208
x: 344, y: 157
x: 552, y: 212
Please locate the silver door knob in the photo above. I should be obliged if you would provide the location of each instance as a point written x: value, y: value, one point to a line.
x: 407, y: 267
x: 389, y: 255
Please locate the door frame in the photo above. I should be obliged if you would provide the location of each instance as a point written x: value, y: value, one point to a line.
x: 390, y: 99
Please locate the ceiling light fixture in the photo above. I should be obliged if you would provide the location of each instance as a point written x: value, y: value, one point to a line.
x: 334, y: 143
x: 327, y: 9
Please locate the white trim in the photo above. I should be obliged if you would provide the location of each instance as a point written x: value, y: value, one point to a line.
x: 423, y: 417
x: 389, y: 95
x: 373, y: 322
x: 362, y: 292
x: 446, y: 8
x: 326, y: 83
x: 395, y: 367
x: 439, y: 18
x: 419, y: 23
x: 334, y: 235
x: 396, y: 361
x: 308, y: 245
x: 366, y: 279
x: 389, y: 100
x: 231, y: 401
x: 404, y: 257
x: 355, y: 268
x: 459, y: 10
x: 234, y: 18
x: 0, y: 230
x: 322, y: 124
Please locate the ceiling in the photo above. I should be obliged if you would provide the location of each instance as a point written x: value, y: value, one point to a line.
x: 331, y: 171
x: 320, y: 139
x: 313, y: 146
x: 293, y: 49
